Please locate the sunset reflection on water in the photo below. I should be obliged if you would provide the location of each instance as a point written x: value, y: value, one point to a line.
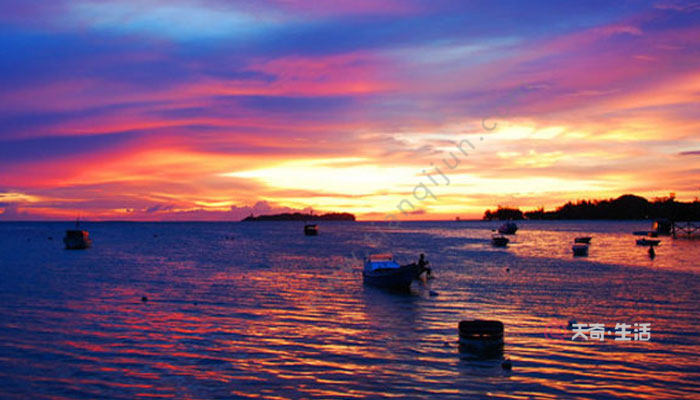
x: 275, y: 314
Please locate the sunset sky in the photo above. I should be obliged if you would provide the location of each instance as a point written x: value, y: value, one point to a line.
x: 213, y: 109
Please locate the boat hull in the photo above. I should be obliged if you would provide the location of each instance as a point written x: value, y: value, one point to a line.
x: 397, y: 279
x: 499, y: 241
x: 580, y: 250
x: 508, y: 229
x: 77, y: 240
x: 646, y: 242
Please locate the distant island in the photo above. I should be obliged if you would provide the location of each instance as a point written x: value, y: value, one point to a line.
x: 302, y: 217
x: 624, y: 207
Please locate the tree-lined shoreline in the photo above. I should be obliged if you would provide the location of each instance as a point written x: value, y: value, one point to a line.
x: 626, y: 207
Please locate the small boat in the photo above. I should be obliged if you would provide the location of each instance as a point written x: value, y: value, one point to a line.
x: 382, y: 271
x: 77, y: 239
x: 641, y: 233
x: 662, y: 226
x: 648, y: 242
x: 311, y: 230
x: 499, y: 241
x: 583, y: 239
x: 580, y: 250
x: 509, y: 228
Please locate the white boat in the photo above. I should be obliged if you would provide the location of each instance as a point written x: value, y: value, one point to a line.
x: 381, y: 270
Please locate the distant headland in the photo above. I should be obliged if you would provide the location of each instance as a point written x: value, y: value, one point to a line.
x: 626, y: 207
x: 302, y: 217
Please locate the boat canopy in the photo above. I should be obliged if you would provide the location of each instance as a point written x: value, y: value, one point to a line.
x: 380, y: 261
x: 381, y: 257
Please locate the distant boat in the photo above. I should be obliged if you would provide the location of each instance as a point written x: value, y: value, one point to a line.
x: 648, y: 242
x: 662, y: 226
x: 77, y: 239
x: 509, y: 228
x: 311, y: 230
x: 499, y: 241
x: 580, y: 250
x: 583, y: 239
x: 641, y: 233
x: 382, y: 271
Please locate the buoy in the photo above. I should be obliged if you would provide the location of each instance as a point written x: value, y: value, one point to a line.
x: 433, y: 293
x: 481, y: 337
x: 507, y: 364
x: 144, y: 299
x: 507, y: 269
x: 572, y: 322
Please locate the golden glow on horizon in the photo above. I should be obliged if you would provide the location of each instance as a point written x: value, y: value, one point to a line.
x: 341, y: 176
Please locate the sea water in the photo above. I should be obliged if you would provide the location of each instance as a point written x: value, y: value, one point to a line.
x: 258, y: 310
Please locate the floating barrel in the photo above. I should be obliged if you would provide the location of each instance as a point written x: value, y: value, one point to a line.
x: 481, y: 337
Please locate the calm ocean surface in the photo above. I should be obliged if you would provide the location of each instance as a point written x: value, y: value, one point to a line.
x: 258, y: 310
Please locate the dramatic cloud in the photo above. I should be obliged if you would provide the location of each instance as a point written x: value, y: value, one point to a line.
x: 212, y: 109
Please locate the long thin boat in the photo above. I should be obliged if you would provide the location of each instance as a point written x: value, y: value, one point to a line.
x: 648, y: 242
x: 382, y: 271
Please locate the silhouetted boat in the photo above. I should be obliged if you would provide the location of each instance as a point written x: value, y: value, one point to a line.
x: 311, y: 230
x: 509, y: 228
x: 580, y: 250
x: 648, y: 242
x: 382, y: 271
x: 662, y: 226
x: 499, y: 241
x: 583, y: 239
x: 77, y: 239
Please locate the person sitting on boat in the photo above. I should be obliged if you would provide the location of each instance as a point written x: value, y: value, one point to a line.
x: 423, y: 265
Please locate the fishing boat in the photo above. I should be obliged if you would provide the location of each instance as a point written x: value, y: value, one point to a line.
x: 509, y: 228
x: 580, y: 250
x: 77, y: 239
x: 499, y: 241
x: 381, y: 270
x: 311, y: 230
x: 648, y: 242
x: 583, y: 239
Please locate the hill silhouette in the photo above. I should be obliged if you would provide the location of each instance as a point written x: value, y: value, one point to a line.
x: 302, y: 217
